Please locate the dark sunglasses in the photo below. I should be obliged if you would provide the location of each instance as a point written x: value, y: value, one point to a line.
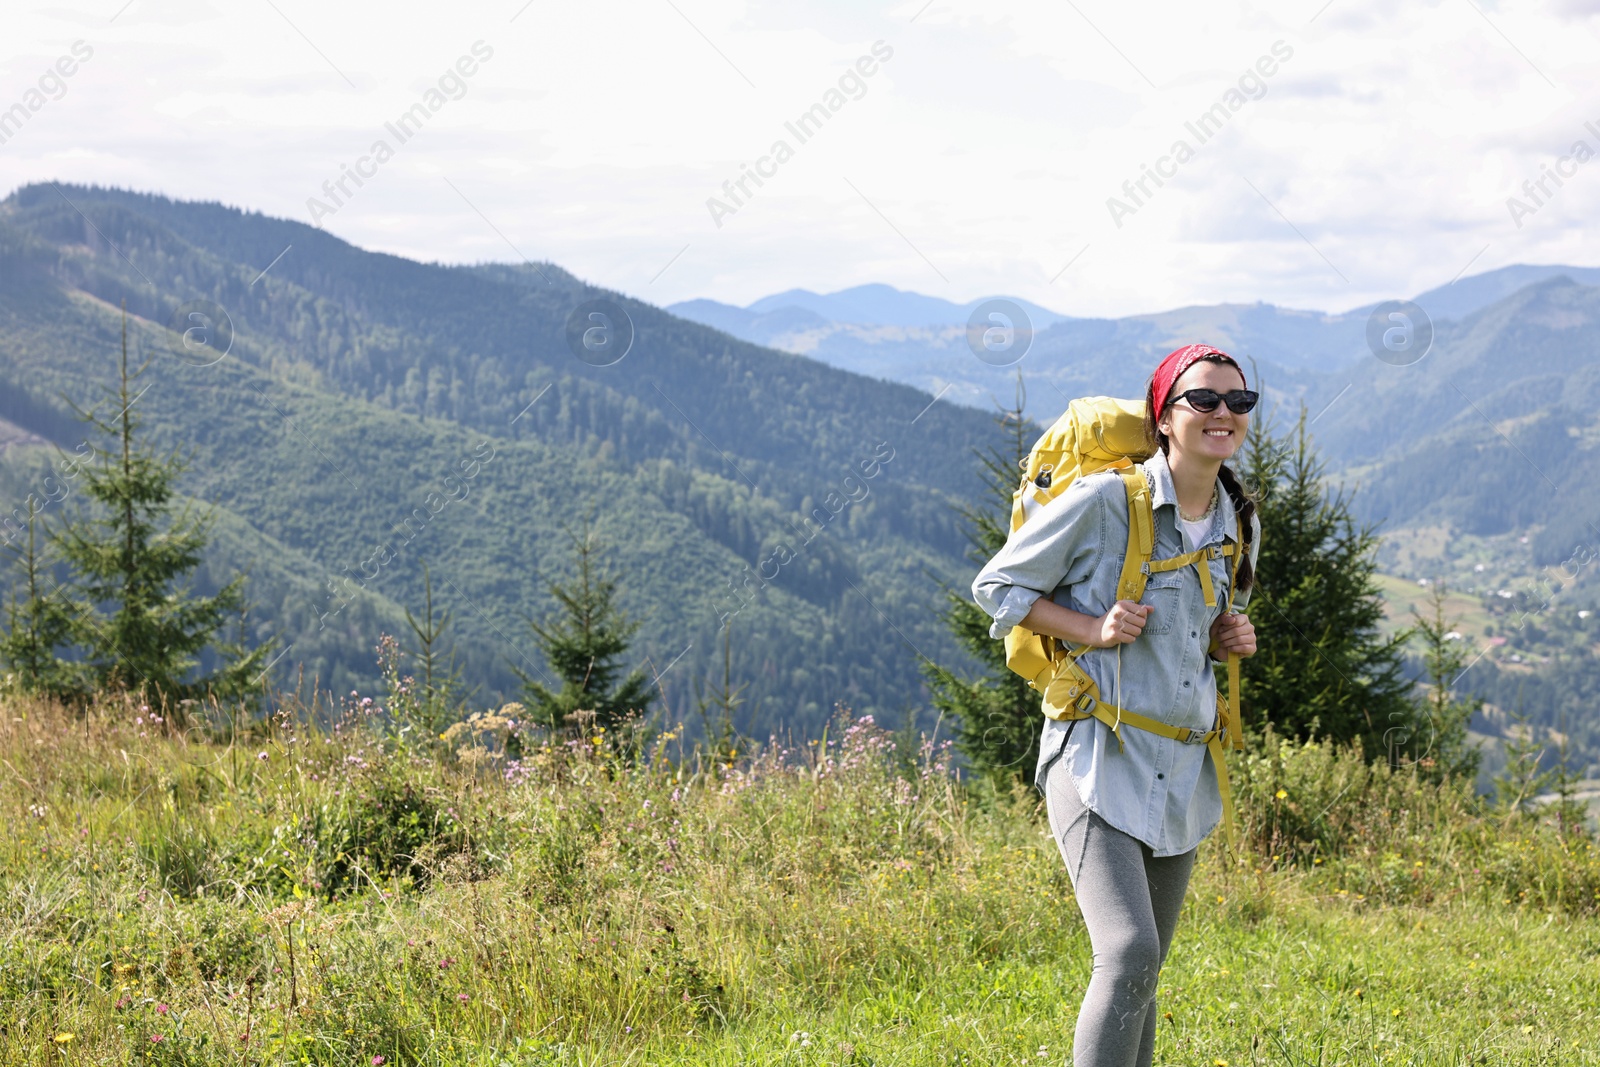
x: 1239, y: 401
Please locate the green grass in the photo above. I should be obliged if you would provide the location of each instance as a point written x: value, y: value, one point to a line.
x: 341, y: 900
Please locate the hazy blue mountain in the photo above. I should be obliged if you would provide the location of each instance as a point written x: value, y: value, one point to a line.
x: 884, y: 305
x: 1494, y: 430
x: 1461, y: 298
x: 907, y: 337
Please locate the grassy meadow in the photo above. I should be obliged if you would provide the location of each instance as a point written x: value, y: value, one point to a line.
x: 333, y: 895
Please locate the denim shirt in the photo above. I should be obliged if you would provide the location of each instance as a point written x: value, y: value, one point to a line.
x: 1160, y: 791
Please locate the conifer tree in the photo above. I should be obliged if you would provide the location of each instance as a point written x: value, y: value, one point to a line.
x: 144, y: 629
x: 996, y: 712
x: 437, y: 699
x: 582, y: 641
x: 1440, y: 744
x: 718, y: 705
x: 41, y: 624
x: 1323, y: 668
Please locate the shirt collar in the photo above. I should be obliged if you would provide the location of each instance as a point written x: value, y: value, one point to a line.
x: 1162, y: 491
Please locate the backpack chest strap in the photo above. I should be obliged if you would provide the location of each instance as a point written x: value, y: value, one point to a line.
x: 1201, y: 558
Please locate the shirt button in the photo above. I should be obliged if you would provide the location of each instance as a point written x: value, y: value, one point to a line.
x: 1186, y: 685
x: 1194, y: 633
x: 1160, y: 775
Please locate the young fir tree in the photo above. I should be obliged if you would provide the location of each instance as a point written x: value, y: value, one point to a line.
x: 41, y: 624
x: 1322, y: 667
x: 1440, y: 746
x: 718, y: 705
x: 996, y: 713
x: 1523, y: 776
x: 144, y: 631
x: 582, y: 642
x: 436, y: 700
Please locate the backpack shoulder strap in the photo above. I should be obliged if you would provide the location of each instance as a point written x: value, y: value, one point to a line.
x: 1141, y: 534
x: 1238, y: 556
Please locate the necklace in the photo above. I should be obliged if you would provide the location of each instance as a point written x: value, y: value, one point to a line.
x: 1209, y: 508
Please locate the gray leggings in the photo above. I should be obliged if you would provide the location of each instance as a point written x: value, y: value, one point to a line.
x: 1130, y: 902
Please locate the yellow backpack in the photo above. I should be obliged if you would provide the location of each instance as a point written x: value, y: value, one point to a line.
x: 1099, y: 433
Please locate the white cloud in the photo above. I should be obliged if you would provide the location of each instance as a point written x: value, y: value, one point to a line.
x: 990, y: 141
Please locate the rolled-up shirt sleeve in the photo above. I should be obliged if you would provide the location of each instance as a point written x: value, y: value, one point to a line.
x: 1057, y: 547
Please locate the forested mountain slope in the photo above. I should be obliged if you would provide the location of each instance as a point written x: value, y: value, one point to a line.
x: 361, y: 388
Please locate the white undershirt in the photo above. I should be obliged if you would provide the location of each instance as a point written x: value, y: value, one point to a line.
x: 1197, y: 530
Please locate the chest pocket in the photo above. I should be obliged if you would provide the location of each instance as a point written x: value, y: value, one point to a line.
x: 1164, y: 593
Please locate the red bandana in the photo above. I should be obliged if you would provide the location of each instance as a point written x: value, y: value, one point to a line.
x: 1176, y: 363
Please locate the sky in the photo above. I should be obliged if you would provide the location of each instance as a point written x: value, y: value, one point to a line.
x: 1353, y: 152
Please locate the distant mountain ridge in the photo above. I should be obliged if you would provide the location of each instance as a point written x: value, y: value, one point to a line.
x: 920, y: 340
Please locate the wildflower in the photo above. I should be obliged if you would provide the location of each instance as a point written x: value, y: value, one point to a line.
x: 261, y: 755
x: 446, y: 963
x: 156, y: 1039
x: 1281, y: 794
x: 377, y: 1061
x: 462, y: 997
x: 63, y: 1037
x: 162, y: 1008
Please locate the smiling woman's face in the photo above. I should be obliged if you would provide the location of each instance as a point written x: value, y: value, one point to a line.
x: 1186, y: 428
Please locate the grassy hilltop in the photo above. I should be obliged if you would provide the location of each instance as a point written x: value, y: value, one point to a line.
x: 327, y: 896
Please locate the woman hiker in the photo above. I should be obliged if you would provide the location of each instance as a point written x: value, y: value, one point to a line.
x: 1129, y: 817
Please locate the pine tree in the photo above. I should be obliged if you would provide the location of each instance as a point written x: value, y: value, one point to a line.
x: 996, y: 712
x: 131, y: 559
x: 436, y: 700
x: 1322, y: 667
x: 1523, y: 776
x: 1440, y: 745
x: 718, y: 705
x: 41, y: 625
x: 582, y: 642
